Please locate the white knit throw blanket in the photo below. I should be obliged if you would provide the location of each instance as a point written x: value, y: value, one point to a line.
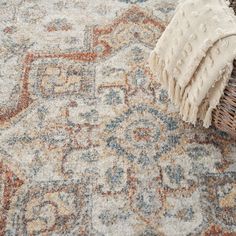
x: 193, y: 59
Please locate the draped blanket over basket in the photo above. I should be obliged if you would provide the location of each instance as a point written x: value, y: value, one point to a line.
x: 194, y: 57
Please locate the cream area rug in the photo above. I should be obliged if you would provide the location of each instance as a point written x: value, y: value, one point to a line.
x: 89, y: 142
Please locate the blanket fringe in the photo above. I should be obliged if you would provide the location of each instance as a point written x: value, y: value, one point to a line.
x: 177, y: 94
x: 189, y: 112
x: 208, y: 117
x: 153, y: 62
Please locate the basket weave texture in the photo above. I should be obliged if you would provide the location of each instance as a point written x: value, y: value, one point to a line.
x: 224, y: 116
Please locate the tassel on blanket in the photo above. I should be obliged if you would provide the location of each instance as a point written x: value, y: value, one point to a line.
x: 189, y: 112
x: 157, y: 67
x: 215, y: 94
x: 165, y: 78
x: 208, y: 117
x: 171, y: 89
x: 153, y: 62
x: 178, y: 94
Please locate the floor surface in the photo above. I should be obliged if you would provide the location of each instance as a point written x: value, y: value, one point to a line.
x: 89, y: 142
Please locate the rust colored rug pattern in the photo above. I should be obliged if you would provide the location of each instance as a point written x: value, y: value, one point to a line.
x: 89, y: 142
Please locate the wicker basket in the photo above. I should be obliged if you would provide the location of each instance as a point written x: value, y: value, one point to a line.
x: 233, y: 5
x: 224, y: 116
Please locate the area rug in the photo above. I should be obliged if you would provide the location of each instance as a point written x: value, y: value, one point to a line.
x: 89, y: 142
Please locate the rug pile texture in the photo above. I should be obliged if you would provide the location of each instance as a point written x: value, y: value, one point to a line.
x: 90, y: 145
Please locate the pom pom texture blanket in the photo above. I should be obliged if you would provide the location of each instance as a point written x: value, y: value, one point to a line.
x: 193, y: 59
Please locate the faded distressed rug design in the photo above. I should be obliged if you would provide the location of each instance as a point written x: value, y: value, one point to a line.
x: 89, y: 142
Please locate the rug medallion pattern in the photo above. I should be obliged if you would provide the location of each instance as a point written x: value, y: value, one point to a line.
x: 89, y: 142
